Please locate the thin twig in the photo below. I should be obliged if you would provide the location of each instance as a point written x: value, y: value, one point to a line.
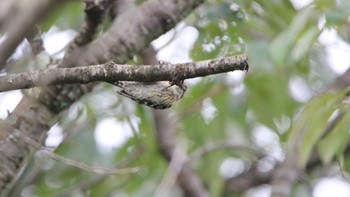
x: 84, y: 185
x: 94, y: 15
x: 221, y: 144
x: 98, y: 170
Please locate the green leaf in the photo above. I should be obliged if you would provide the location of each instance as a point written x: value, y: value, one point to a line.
x: 304, y: 43
x: 335, y: 142
x: 282, y: 46
x: 269, y: 98
x: 67, y: 15
x: 336, y: 12
x: 311, y: 124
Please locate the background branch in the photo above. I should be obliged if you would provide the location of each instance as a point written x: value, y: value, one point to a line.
x: 98, y: 170
x: 179, y: 168
x: 223, y: 144
x: 284, y: 174
x: 149, y: 20
x: 94, y: 15
x: 189, y: 181
x: 30, y: 14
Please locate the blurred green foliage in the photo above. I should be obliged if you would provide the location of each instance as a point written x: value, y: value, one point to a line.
x: 67, y: 16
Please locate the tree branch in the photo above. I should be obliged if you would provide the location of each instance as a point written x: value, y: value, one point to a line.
x: 132, y: 31
x: 179, y: 168
x: 17, y: 28
x: 223, y: 144
x: 95, y: 169
x: 94, y: 15
x: 178, y: 160
x: 111, y: 72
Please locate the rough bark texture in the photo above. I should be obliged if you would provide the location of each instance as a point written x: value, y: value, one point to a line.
x: 111, y: 72
x: 132, y: 31
x: 129, y: 34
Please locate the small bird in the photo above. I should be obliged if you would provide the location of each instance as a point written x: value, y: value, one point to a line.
x: 158, y: 95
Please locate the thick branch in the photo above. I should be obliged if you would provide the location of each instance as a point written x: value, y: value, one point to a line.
x: 132, y: 31
x: 112, y: 72
x: 18, y: 27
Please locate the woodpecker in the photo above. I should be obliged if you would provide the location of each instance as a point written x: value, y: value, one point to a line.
x: 158, y: 95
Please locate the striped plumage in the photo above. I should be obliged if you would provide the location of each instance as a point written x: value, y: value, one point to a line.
x: 158, y: 95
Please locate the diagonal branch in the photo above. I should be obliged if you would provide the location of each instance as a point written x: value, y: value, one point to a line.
x: 132, y: 31
x: 17, y: 28
x: 112, y: 72
x: 98, y: 170
x: 187, y: 178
